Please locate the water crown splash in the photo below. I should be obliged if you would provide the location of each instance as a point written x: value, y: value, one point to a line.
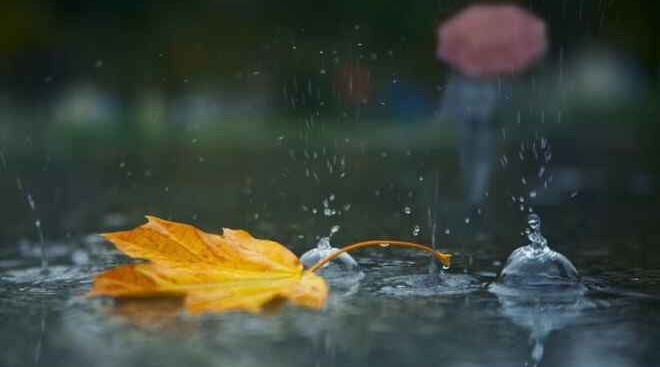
x: 323, y: 249
x: 539, y: 289
x: 536, y: 239
x: 536, y: 264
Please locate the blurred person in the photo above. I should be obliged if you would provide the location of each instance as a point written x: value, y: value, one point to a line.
x: 483, y: 44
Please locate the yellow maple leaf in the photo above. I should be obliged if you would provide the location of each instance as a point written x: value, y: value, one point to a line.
x: 214, y: 273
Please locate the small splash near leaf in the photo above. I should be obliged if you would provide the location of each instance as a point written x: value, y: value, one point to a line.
x: 232, y: 271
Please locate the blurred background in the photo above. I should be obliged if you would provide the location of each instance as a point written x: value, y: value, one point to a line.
x: 429, y: 120
x: 289, y: 117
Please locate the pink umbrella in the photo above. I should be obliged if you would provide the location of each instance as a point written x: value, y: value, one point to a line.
x: 491, y: 40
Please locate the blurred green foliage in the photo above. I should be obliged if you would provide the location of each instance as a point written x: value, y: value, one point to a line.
x: 148, y: 42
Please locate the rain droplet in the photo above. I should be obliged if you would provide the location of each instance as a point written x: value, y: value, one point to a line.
x: 541, y: 171
x: 30, y: 200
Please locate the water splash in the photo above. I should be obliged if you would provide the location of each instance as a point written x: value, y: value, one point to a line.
x: 536, y: 264
x: 428, y: 285
x: 534, y: 235
x: 539, y: 289
x: 323, y: 249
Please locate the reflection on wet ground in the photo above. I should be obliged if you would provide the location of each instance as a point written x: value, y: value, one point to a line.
x: 389, y: 312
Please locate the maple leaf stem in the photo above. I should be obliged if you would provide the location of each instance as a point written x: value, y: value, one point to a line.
x: 444, y: 258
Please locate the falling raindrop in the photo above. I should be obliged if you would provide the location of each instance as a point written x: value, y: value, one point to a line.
x: 541, y: 172
x: 37, y: 225
x: 42, y: 246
